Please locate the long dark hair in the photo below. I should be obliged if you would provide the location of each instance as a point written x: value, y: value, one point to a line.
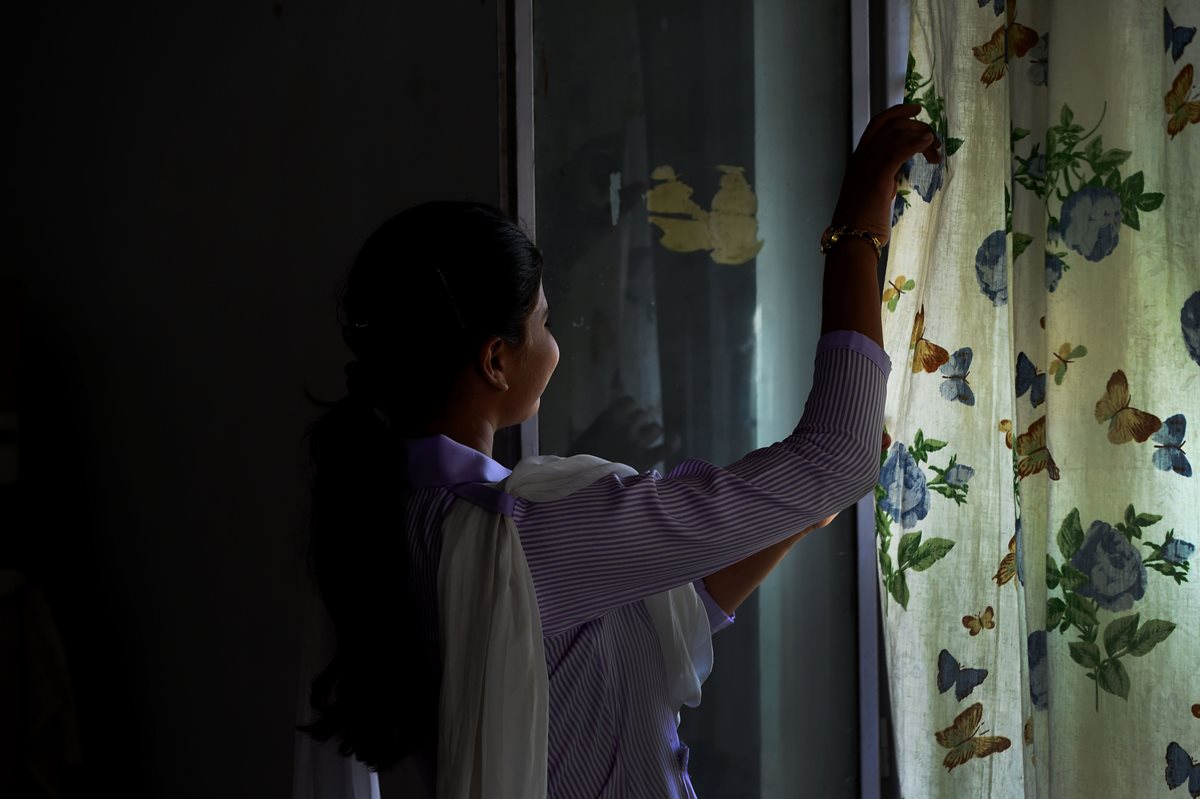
x: 429, y: 287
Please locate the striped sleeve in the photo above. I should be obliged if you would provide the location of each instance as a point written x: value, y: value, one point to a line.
x: 622, y: 539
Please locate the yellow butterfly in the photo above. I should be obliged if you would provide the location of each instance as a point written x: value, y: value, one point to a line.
x: 963, y: 740
x: 1181, y: 108
x: 1065, y: 355
x: 993, y: 52
x: 1006, y: 428
x: 984, y: 621
x: 1125, y: 424
x: 926, y: 354
x: 896, y: 289
x: 1008, y: 564
x: 1031, y: 446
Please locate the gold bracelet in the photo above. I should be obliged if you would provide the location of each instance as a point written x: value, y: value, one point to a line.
x: 832, y: 235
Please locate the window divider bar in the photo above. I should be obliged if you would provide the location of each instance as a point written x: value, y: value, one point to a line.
x: 514, y: 57
x: 865, y: 571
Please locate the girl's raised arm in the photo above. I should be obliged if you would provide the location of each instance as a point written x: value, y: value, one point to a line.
x: 622, y: 539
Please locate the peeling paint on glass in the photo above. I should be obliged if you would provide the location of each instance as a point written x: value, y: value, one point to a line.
x: 729, y: 232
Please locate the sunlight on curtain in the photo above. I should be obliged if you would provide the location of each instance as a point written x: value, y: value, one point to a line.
x: 1037, y: 513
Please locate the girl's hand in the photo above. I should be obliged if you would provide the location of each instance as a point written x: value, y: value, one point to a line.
x: 873, y: 174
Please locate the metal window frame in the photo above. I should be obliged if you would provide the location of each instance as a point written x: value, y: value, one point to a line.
x: 878, y: 55
x: 514, y: 49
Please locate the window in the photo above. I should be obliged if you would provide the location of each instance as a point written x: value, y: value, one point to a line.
x: 686, y: 158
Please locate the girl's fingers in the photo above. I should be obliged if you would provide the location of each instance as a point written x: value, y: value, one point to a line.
x: 909, y: 124
x: 901, y: 111
x: 892, y: 138
x: 895, y: 138
x: 905, y: 147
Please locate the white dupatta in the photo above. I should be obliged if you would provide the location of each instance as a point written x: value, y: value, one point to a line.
x: 494, y: 693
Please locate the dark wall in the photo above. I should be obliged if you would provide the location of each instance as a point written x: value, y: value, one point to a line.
x: 190, y: 182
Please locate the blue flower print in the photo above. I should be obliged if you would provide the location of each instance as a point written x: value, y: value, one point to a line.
x: 1039, y: 680
x: 1091, y: 221
x: 907, y: 499
x: 1039, y: 62
x: 1116, y: 576
x: 1189, y: 325
x: 1054, y: 271
x: 925, y: 178
x: 958, y: 475
x: 990, y: 270
x: 997, y: 5
x: 1177, y: 551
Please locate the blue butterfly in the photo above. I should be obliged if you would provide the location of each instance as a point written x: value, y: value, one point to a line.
x: 963, y: 680
x: 1168, y: 451
x: 1181, y: 768
x: 954, y: 378
x: 1031, y: 380
x: 1175, y: 38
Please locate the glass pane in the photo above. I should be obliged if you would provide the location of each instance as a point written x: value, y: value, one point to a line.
x: 687, y: 158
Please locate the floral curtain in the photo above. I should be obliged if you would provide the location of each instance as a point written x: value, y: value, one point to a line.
x: 1037, y: 511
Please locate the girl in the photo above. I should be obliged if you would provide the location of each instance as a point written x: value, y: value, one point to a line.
x: 533, y: 633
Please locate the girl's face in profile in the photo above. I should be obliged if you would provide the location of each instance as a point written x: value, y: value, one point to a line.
x: 535, y: 362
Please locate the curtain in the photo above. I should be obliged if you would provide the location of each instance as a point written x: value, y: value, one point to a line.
x: 1037, y: 512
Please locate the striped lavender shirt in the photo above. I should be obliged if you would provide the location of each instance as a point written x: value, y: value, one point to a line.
x: 595, y: 554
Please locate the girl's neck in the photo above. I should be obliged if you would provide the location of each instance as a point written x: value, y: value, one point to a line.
x: 474, y: 432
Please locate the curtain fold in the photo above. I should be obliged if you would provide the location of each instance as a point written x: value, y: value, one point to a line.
x: 1037, y: 511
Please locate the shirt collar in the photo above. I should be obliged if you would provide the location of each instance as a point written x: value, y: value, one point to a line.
x: 440, y: 461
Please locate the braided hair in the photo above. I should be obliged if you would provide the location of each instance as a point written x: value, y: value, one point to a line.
x: 427, y: 290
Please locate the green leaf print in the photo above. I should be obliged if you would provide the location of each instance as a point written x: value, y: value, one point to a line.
x: 930, y: 553
x: 909, y: 543
x: 1021, y: 242
x: 1070, y: 535
x: 1055, y: 608
x: 1085, y: 653
x: 1113, y: 678
x: 1119, y: 634
x: 1152, y: 633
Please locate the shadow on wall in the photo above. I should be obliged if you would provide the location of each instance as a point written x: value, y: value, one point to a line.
x: 61, y: 596
x: 193, y: 180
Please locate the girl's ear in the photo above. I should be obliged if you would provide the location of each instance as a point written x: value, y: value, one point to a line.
x: 493, y: 356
